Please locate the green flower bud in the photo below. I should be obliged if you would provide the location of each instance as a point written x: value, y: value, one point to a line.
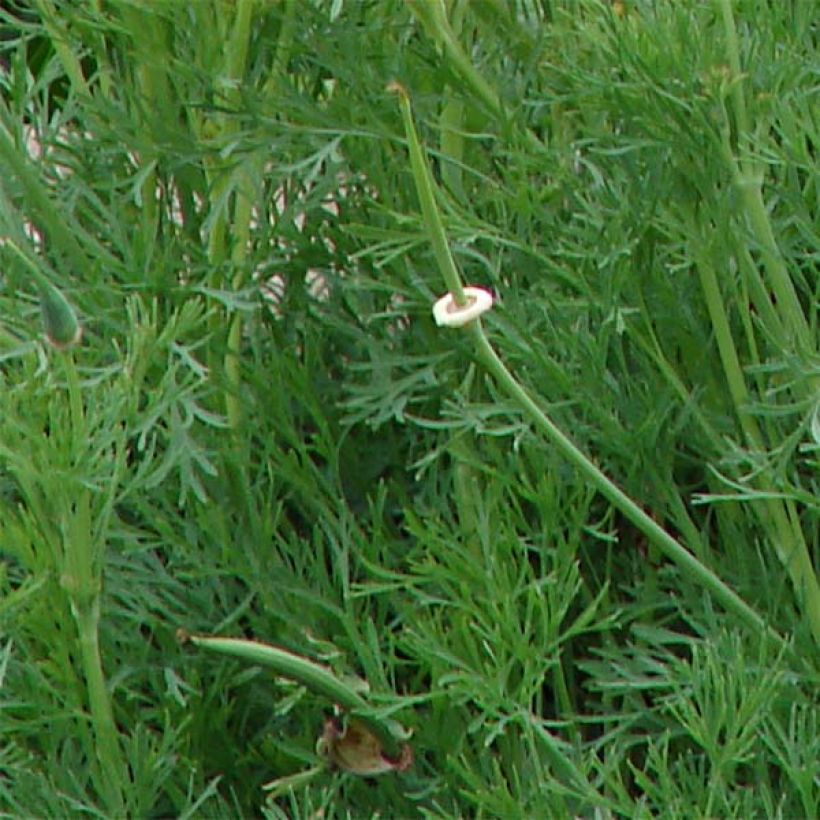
x: 59, y: 318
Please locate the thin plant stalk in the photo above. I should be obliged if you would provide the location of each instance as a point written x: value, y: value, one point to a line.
x: 451, y: 122
x: 220, y: 182
x: 59, y: 40
x: 427, y: 198
x: 109, y: 752
x: 44, y: 213
x: 779, y: 518
x: 484, y: 351
x: 81, y: 579
x: 748, y: 180
x: 243, y: 208
x: 619, y: 499
x: 150, y: 73
x: 78, y: 549
x: 433, y: 15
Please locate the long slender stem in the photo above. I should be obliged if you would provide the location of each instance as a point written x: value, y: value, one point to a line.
x: 109, y: 752
x: 243, y: 207
x: 783, y: 530
x: 653, y: 531
x: 733, y: 55
x: 425, y: 187
x: 433, y: 16
x: 81, y: 578
x: 427, y: 198
x: 784, y: 315
x: 748, y: 179
x: 777, y: 274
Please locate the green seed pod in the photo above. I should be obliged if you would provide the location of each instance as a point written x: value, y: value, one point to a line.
x: 59, y: 319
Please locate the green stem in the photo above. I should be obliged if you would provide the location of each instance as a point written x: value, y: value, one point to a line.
x: 786, y: 299
x: 429, y: 209
x: 59, y: 40
x: 748, y: 180
x: 81, y: 578
x: 655, y: 533
x: 109, y: 752
x: 240, y: 38
x: 149, y: 67
x: 284, y: 43
x: 220, y: 180
x: 781, y: 524
x: 75, y: 397
x: 783, y: 316
x: 433, y: 16
x: 733, y: 55
x: 243, y: 207
x: 730, y: 360
x: 44, y: 213
x: 241, y: 237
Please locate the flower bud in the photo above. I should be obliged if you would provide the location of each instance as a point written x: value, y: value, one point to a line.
x: 59, y: 318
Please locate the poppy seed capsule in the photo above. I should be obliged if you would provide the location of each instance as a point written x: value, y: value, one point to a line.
x: 59, y: 319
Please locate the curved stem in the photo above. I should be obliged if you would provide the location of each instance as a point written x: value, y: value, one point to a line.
x: 658, y: 536
x: 653, y: 531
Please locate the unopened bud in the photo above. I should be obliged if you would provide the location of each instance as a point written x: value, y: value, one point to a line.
x: 59, y: 318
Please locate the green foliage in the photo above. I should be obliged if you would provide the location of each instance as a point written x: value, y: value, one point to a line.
x: 262, y: 433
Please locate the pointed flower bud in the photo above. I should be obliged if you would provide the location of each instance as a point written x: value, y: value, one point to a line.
x: 59, y: 318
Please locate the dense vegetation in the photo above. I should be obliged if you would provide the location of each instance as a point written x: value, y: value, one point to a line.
x: 263, y: 433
